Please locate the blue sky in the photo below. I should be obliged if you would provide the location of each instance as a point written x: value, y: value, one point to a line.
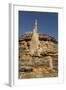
x: 47, y: 22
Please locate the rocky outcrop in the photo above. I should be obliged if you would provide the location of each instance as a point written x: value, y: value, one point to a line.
x: 38, y: 65
x: 42, y: 37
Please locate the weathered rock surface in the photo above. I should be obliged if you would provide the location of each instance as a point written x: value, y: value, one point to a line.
x: 27, y: 63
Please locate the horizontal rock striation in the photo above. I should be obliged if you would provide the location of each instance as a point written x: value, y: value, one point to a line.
x: 41, y: 64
